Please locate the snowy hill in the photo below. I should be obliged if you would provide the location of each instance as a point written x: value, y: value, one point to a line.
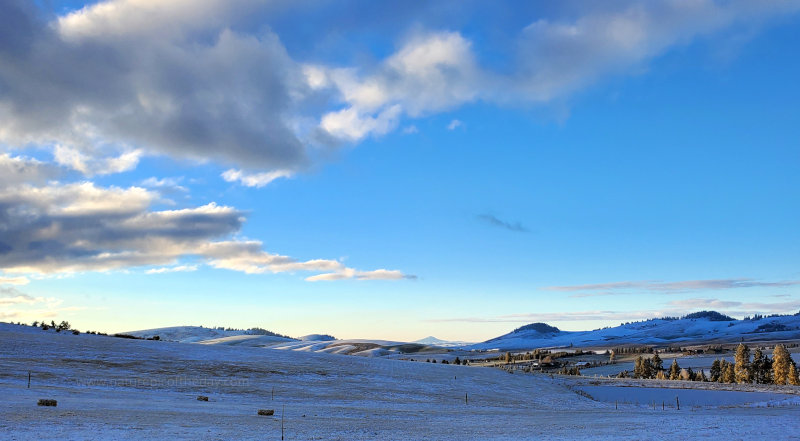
x: 317, y: 337
x: 707, y: 327
x: 195, y: 334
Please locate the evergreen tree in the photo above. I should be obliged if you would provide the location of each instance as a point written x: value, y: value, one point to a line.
x: 647, y: 369
x: 674, y: 370
x: 794, y: 379
x: 700, y: 376
x: 715, y: 371
x: 729, y: 373
x: 757, y: 367
x: 637, y: 367
x: 742, y: 367
x: 781, y: 363
x: 658, y: 364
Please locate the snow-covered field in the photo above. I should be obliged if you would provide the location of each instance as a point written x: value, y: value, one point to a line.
x: 110, y: 388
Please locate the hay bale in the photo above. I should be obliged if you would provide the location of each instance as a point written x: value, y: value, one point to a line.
x: 202, y: 398
x: 266, y: 412
x: 44, y: 402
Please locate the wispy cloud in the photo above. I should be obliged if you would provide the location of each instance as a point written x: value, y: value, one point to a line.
x: 669, y: 309
x: 257, y: 180
x: 14, y: 280
x: 172, y: 269
x: 628, y: 287
x: 454, y: 124
x: 496, y: 222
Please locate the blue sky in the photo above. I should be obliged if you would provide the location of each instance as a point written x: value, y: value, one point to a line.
x: 397, y: 171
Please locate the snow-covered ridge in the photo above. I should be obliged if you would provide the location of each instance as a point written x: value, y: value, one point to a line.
x: 701, y: 329
x: 195, y: 334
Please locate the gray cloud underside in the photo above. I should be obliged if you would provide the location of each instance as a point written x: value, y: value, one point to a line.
x: 175, y: 81
x: 201, y: 80
x: 63, y: 228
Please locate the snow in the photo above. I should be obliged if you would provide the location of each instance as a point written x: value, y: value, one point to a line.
x: 686, y: 397
x: 433, y: 341
x: 651, y: 332
x: 111, y: 388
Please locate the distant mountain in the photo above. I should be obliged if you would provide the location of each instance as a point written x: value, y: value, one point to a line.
x: 707, y: 327
x: 433, y: 341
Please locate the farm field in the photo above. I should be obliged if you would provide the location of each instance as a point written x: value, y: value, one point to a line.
x: 132, y: 389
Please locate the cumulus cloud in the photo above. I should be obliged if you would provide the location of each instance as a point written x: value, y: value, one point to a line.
x: 122, y: 78
x: 19, y: 169
x: 550, y: 59
x: 64, y: 228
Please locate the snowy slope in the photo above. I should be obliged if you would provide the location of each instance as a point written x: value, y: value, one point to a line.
x: 655, y: 332
x: 184, y: 334
x: 110, y: 388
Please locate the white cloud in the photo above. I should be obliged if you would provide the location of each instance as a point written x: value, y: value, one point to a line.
x: 454, y: 124
x: 19, y: 169
x: 349, y: 273
x: 172, y: 269
x: 353, y: 125
x: 14, y: 280
x: 124, y: 78
x: 93, y: 165
x: 67, y: 228
x: 550, y: 59
x: 255, y: 179
x: 170, y: 184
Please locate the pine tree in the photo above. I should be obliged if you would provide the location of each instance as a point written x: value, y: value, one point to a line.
x: 742, y: 370
x: 729, y: 373
x: 647, y: 368
x: 700, y: 376
x: 658, y: 364
x: 794, y: 379
x: 637, y: 367
x: 715, y: 371
x: 757, y: 367
x: 674, y: 370
x: 781, y: 363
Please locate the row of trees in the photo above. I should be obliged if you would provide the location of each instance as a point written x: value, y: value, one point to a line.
x: 63, y: 326
x: 781, y: 369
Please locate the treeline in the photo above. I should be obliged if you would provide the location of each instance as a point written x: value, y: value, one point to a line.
x: 251, y: 331
x: 780, y: 369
